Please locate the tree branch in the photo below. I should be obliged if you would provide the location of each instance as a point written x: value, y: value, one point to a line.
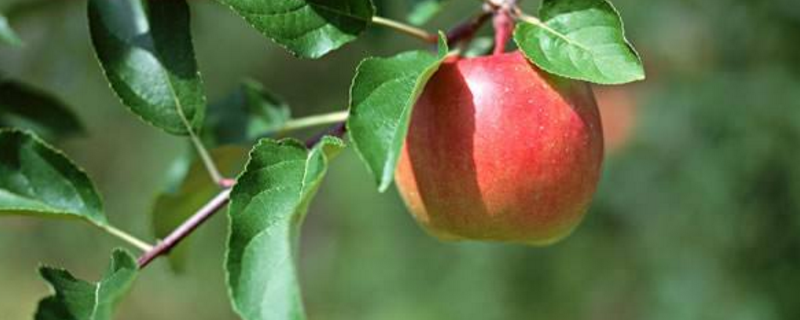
x: 467, y: 29
x: 185, y: 229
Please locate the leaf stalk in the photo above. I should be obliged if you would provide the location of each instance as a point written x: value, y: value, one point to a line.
x: 405, y: 28
x: 124, y: 236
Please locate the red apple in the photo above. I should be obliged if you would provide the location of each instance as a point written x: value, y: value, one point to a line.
x: 500, y: 150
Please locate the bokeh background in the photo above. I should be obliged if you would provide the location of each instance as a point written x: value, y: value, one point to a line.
x: 697, y: 215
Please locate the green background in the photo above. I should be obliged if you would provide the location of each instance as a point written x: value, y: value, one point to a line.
x: 697, y: 217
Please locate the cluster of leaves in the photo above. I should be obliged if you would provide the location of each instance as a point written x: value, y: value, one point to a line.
x: 146, y: 53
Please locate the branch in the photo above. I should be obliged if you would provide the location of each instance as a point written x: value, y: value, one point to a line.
x: 185, y: 229
x: 467, y: 29
x: 212, y: 207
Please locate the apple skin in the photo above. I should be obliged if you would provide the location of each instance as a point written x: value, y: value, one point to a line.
x: 499, y: 150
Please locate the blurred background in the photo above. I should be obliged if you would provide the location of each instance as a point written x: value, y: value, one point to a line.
x: 697, y: 215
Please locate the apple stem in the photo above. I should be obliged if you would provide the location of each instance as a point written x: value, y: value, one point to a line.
x: 503, y: 27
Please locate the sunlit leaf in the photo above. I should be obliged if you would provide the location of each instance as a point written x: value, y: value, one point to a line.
x: 267, y: 207
x: 307, y: 28
x: 7, y: 35
x: 382, y: 96
x: 145, y: 49
x: 75, y: 299
x: 38, y: 180
x: 580, y: 39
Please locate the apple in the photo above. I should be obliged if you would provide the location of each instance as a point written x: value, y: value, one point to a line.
x: 499, y: 150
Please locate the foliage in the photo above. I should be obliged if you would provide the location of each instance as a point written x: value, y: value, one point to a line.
x: 146, y: 53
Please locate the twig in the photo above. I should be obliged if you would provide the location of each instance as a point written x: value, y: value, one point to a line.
x: 311, y: 121
x: 404, y: 28
x: 467, y: 29
x: 202, y: 215
x: 337, y: 130
x: 212, y: 207
x: 208, y: 162
x: 124, y: 236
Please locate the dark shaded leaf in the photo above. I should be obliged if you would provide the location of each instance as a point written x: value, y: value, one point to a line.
x: 245, y: 115
x: 25, y: 107
x: 145, y: 49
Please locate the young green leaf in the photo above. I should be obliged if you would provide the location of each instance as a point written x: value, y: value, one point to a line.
x: 173, y: 208
x: 382, y: 96
x: 145, y: 49
x: 7, y: 35
x: 38, y: 180
x: 23, y: 106
x: 245, y: 115
x: 580, y: 39
x: 307, y: 28
x: 75, y: 299
x: 423, y: 11
x: 268, y: 204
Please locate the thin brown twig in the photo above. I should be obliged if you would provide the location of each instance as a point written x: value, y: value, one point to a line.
x: 467, y: 29
x: 211, y: 208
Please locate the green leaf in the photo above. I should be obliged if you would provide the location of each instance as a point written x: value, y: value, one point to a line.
x: 423, y: 11
x: 382, y: 96
x: 580, y: 39
x: 145, y: 49
x: 38, y: 180
x: 247, y: 114
x: 267, y: 207
x: 307, y: 28
x: 75, y: 299
x: 23, y: 106
x: 173, y: 208
x: 7, y: 35
x: 479, y: 46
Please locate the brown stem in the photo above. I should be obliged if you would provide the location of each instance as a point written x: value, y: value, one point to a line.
x: 503, y: 29
x: 185, y: 229
x: 212, y: 207
x: 467, y: 29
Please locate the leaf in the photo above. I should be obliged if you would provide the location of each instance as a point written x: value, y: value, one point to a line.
x: 75, y: 299
x: 307, y: 28
x: 423, y: 11
x: 580, y: 39
x: 38, y: 180
x: 268, y: 205
x: 7, y: 35
x: 480, y: 46
x: 245, y: 115
x: 173, y: 208
x: 23, y: 106
x: 145, y: 50
x: 382, y: 96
